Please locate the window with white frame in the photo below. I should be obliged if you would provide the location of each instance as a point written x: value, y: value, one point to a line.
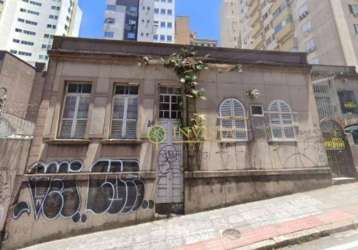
x: 169, y: 103
x: 75, y: 110
x: 125, y: 112
x: 281, y: 121
x: 233, y: 123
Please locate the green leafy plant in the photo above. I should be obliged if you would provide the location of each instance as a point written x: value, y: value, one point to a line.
x: 187, y: 65
x: 195, y: 130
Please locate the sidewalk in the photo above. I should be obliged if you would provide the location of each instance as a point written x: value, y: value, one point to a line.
x: 256, y: 225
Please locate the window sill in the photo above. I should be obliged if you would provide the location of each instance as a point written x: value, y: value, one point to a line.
x: 67, y: 141
x: 288, y: 142
x: 233, y: 141
x: 121, y: 142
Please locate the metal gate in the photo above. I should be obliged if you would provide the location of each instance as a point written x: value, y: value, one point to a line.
x: 338, y: 150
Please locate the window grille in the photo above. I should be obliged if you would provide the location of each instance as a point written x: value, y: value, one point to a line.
x: 233, y: 122
x: 281, y: 121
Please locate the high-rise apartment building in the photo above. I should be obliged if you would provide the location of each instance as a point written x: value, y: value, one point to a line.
x: 121, y: 20
x: 265, y: 24
x: 326, y: 30
x: 230, y: 24
x: 27, y: 27
x: 140, y: 20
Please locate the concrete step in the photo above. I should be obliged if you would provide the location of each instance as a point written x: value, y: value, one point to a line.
x: 343, y: 180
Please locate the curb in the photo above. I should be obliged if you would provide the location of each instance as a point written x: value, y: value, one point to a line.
x: 302, y: 236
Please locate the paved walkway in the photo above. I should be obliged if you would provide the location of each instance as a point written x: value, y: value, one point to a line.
x: 228, y: 228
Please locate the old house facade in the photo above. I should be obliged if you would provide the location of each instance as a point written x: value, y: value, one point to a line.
x: 94, y: 163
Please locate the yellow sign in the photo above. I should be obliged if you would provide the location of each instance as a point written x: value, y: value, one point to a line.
x: 350, y: 105
x: 335, y: 143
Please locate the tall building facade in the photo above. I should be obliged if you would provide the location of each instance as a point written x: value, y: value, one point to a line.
x: 140, y: 20
x: 182, y: 30
x: 27, y: 27
x: 326, y: 30
x: 184, y: 35
x: 266, y: 24
x: 230, y: 24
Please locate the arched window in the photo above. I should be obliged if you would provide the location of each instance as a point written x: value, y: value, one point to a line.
x: 233, y: 124
x: 281, y: 121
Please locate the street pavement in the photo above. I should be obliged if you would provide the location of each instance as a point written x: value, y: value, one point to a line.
x: 341, y: 241
x: 235, y: 227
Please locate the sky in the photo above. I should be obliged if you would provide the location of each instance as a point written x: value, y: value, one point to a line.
x: 204, y: 17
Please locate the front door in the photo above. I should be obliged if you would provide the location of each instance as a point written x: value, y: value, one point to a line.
x: 170, y: 191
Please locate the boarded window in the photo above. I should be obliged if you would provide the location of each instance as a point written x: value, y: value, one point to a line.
x: 233, y: 123
x: 75, y: 110
x: 281, y: 121
x: 125, y: 112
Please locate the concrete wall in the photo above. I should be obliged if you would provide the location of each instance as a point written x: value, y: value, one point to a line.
x: 49, y: 213
x: 18, y: 78
x: 224, y: 176
x: 13, y: 157
x: 216, y: 190
x: 270, y: 168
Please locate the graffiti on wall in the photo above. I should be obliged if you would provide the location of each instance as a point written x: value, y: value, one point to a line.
x: 52, y: 197
x: 4, y: 184
x: 4, y: 190
x: 170, y: 177
x: 114, y: 194
x: 59, y: 197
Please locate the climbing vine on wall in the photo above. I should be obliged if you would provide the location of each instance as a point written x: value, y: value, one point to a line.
x: 187, y: 65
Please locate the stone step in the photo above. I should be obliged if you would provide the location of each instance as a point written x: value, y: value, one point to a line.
x: 343, y: 180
